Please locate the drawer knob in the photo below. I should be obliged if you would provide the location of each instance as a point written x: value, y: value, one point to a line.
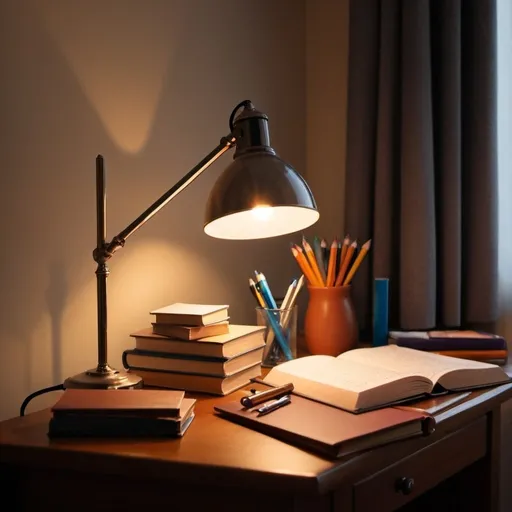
x: 405, y: 485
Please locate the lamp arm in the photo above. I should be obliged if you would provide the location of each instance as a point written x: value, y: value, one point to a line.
x: 104, y: 251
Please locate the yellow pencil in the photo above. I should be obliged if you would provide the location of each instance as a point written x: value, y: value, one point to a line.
x: 310, y: 255
x: 360, y: 257
x: 346, y: 261
x: 331, y: 268
x: 256, y: 293
x: 304, y: 265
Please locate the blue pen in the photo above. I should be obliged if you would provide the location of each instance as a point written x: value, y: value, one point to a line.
x: 271, y: 304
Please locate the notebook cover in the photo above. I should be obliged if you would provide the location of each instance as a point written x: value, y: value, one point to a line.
x: 139, y: 402
x: 328, y: 430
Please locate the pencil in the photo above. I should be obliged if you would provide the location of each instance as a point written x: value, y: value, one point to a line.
x: 325, y: 254
x: 304, y: 265
x: 360, y: 257
x: 317, y: 249
x: 346, y: 261
x: 344, y: 248
x: 312, y: 261
x: 331, y: 269
x: 256, y: 293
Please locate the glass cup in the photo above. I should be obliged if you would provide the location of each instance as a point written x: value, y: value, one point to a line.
x: 280, y: 334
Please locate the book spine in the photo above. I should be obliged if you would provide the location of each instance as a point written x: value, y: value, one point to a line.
x: 433, y: 344
x: 380, y: 311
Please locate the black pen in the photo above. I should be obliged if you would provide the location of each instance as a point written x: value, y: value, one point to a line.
x: 274, y: 404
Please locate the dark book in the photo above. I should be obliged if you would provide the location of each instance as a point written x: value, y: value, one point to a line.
x: 187, y: 332
x: 163, y: 361
x: 447, y: 340
x: 77, y: 425
x: 181, y: 313
x: 239, y: 339
x: 330, y: 431
x: 199, y: 383
x: 133, y: 402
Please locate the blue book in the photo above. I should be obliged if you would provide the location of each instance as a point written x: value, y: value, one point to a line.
x: 380, y: 311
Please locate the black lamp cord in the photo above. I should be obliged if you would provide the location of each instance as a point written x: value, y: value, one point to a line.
x: 37, y: 393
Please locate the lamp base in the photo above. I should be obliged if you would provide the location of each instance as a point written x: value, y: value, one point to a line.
x: 106, y: 378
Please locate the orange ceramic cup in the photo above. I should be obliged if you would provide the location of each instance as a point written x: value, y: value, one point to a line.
x: 330, y: 323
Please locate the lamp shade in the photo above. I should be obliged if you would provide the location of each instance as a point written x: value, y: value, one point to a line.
x: 258, y: 195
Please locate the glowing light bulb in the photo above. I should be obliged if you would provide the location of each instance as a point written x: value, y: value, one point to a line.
x: 263, y: 212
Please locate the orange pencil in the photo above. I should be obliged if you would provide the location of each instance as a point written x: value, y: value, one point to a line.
x: 310, y: 255
x: 360, y: 257
x: 331, y: 268
x: 346, y: 261
x: 344, y: 248
x: 304, y: 265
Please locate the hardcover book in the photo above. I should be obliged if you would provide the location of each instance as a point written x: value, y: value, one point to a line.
x: 78, y: 425
x: 133, y: 402
x: 240, y: 339
x: 164, y: 361
x: 447, y: 340
x: 181, y: 313
x: 199, y: 383
x: 369, y: 378
x: 187, y: 332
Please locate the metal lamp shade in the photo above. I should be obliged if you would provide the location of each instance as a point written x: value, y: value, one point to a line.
x: 259, y: 196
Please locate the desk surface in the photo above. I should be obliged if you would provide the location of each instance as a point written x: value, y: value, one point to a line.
x: 216, y: 450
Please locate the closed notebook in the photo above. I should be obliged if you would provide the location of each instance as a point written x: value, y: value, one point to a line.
x: 182, y: 313
x: 199, y: 383
x: 187, y: 332
x: 239, y: 339
x: 328, y: 430
x: 133, y: 402
x: 139, y: 359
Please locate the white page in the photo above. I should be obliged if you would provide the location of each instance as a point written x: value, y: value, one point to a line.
x: 350, y: 375
x: 407, y: 361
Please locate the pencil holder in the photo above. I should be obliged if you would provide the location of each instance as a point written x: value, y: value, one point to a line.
x: 280, y: 334
x: 330, y: 323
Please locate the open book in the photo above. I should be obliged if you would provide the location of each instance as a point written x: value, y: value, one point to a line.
x: 368, y: 378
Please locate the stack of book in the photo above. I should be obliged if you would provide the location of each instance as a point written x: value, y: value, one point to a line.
x: 193, y: 347
x: 464, y: 344
x: 121, y: 413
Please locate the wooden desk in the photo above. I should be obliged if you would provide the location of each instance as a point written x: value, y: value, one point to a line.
x: 219, y: 465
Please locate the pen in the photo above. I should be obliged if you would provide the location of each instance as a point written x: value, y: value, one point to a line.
x: 263, y: 288
x: 274, y: 404
x: 263, y: 396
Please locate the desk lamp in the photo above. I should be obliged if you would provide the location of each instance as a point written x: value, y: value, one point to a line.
x: 257, y: 196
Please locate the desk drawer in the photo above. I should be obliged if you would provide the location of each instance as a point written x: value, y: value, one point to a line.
x: 400, y: 483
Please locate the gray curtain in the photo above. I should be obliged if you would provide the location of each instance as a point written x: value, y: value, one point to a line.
x: 421, y: 171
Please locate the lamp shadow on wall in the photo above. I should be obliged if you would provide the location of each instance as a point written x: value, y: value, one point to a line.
x: 56, y: 298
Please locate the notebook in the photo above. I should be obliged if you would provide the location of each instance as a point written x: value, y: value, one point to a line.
x: 330, y: 431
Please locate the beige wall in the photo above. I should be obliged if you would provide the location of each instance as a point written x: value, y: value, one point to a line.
x: 150, y: 85
x: 326, y: 79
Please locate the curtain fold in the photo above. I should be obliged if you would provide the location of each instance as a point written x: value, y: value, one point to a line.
x: 421, y: 159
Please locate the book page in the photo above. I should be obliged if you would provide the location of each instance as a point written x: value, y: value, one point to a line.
x: 183, y: 308
x: 407, y: 361
x: 347, y: 375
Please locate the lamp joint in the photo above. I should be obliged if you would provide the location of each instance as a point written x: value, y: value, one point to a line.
x: 107, y: 250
